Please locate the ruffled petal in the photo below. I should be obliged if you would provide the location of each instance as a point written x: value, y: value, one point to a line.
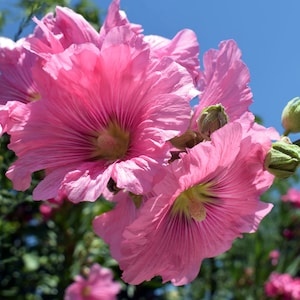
x: 224, y: 80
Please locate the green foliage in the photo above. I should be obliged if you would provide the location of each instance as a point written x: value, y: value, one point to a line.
x: 24, y: 10
x: 40, y: 255
x: 89, y: 11
x: 2, y: 19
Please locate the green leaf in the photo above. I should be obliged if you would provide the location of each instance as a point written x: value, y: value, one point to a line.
x: 31, y: 261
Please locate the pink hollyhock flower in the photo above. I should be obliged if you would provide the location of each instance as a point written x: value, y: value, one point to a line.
x: 48, y: 208
x: 295, y: 289
x: 16, y: 81
x: 292, y: 196
x: 46, y: 211
x: 283, y: 286
x: 99, y: 285
x: 209, y: 197
x: 224, y: 81
x: 274, y: 256
x: 103, y: 114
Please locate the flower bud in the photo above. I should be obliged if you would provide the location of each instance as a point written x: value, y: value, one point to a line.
x: 211, y: 119
x: 290, y: 117
x: 187, y: 140
x: 283, y: 159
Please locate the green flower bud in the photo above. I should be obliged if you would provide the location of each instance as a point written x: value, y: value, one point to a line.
x: 290, y: 117
x: 283, y: 159
x: 211, y: 119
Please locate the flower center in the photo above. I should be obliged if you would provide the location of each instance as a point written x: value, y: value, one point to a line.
x: 191, y: 202
x: 85, y: 292
x: 34, y: 96
x: 112, y: 143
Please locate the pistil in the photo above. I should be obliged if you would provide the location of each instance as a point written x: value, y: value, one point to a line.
x: 112, y: 143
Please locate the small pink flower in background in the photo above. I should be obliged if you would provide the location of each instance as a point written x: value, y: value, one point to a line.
x: 292, y: 196
x: 49, y: 207
x: 288, y: 233
x: 98, y: 285
x: 46, y: 211
x: 204, y: 203
x: 283, y: 286
x: 295, y: 289
x: 277, y: 283
x: 274, y: 256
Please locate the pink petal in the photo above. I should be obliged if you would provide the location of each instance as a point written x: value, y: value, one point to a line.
x: 224, y: 80
x: 111, y: 225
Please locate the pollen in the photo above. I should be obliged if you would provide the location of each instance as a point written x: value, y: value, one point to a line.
x: 111, y: 143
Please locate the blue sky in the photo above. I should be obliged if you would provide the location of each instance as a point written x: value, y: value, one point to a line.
x: 267, y: 32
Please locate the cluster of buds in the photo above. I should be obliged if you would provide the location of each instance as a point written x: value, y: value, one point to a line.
x: 211, y: 119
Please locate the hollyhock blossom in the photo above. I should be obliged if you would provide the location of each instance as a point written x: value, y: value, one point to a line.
x: 209, y: 197
x: 99, y: 285
x: 103, y: 114
x: 277, y: 284
x: 274, y: 257
x: 49, y: 207
x: 295, y: 289
x: 284, y: 286
x: 292, y: 196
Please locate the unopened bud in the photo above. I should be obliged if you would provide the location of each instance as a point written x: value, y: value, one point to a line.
x: 283, y: 159
x: 211, y: 119
x: 187, y: 140
x: 290, y: 117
